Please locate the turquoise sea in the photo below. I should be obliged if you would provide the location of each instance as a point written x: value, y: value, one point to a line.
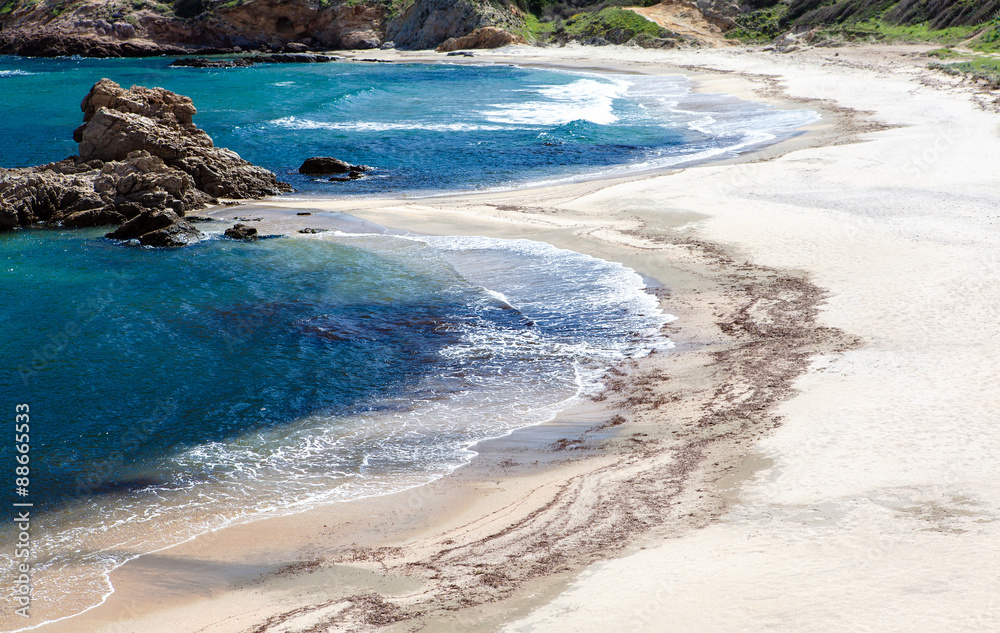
x: 177, y: 391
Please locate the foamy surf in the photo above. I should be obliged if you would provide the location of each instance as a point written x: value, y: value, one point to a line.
x: 533, y: 327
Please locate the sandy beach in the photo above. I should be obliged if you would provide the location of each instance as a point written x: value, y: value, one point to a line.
x: 817, y: 453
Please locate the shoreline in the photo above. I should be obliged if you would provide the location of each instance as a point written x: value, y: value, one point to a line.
x: 736, y: 317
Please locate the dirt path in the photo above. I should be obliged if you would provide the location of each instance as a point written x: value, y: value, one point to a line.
x: 683, y: 19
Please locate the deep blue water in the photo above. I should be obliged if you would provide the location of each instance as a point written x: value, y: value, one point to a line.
x: 424, y: 127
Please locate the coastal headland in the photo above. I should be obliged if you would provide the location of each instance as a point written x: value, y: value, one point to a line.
x: 816, y: 454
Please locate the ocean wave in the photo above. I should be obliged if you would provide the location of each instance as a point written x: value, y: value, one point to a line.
x: 295, y: 123
x: 582, y: 100
x: 15, y: 73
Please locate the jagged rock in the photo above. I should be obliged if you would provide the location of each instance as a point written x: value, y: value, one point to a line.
x: 35, y: 195
x: 103, y: 216
x: 158, y: 121
x: 312, y: 231
x: 175, y: 235
x: 32, y: 40
x: 486, y: 37
x: 142, y: 162
x: 160, y: 228
x: 124, y: 30
x: 428, y: 23
x: 241, y: 232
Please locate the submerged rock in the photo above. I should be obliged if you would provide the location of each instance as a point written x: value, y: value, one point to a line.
x: 326, y: 165
x: 140, y: 153
x: 241, y: 232
x: 160, y: 228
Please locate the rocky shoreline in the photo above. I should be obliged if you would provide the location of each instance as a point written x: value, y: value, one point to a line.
x: 143, y: 164
x: 96, y: 29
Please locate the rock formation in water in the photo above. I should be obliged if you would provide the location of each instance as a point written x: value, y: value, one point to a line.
x: 159, y: 228
x: 327, y: 165
x: 141, y: 157
x: 241, y: 232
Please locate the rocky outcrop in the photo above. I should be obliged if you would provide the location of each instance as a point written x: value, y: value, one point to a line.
x: 252, y: 60
x: 486, y: 37
x: 429, y: 23
x: 241, y: 232
x: 100, y: 29
x: 118, y: 122
x: 159, y: 228
x: 327, y: 165
x: 142, y: 161
x: 49, y: 41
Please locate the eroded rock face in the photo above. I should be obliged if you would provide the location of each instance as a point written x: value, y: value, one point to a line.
x: 158, y: 121
x: 141, y: 158
x: 486, y: 37
x: 428, y: 23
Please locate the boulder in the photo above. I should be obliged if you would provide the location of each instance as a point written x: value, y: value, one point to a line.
x: 241, y: 232
x: 102, y: 216
x: 160, y: 228
x: 486, y: 37
x: 326, y: 165
x: 323, y: 165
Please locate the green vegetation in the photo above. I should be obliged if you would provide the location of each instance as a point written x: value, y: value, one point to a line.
x: 985, y: 69
x: 943, y: 53
x: 762, y: 25
x: 880, y: 30
x: 973, y: 22
x: 613, y: 24
x: 10, y: 6
x: 989, y: 40
x: 561, y: 20
x: 395, y: 7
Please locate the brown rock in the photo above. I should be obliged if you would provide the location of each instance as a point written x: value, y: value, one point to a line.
x: 486, y: 37
x: 241, y: 232
x: 428, y: 23
x: 160, y: 228
x: 102, y: 216
x: 176, y: 235
x: 324, y: 165
x: 157, y: 121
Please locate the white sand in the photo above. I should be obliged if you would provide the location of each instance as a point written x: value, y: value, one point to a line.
x: 877, y: 505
